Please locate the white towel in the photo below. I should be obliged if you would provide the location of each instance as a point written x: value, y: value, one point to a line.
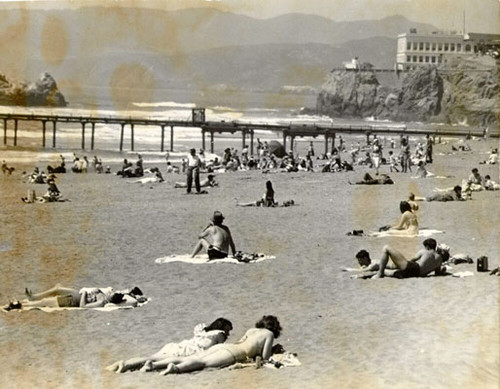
x: 203, y: 258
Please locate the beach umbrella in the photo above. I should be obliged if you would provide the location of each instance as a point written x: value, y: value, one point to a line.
x: 277, y: 149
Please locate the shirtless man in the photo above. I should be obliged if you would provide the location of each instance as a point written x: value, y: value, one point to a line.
x: 367, y: 265
x: 425, y: 261
x: 216, y: 239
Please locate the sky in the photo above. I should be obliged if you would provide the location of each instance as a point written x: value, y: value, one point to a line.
x: 481, y: 15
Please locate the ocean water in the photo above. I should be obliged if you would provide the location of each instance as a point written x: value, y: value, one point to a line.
x: 147, y: 139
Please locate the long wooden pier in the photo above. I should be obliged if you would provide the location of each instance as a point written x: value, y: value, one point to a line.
x: 288, y: 130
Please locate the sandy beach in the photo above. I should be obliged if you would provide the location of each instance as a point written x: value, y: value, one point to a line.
x: 439, y: 332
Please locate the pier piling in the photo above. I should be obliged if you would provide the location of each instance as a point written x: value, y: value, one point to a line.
x: 54, y: 133
x: 92, y: 136
x: 121, y: 136
x: 83, y: 135
x: 43, y: 132
x: 15, y: 132
x: 162, y: 146
x: 4, y: 131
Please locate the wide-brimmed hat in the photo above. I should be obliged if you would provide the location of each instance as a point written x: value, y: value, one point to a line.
x: 217, y: 217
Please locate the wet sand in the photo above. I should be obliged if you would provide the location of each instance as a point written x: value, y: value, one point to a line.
x: 430, y: 332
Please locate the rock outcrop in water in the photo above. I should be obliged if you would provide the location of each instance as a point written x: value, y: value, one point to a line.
x: 466, y: 92
x: 43, y: 92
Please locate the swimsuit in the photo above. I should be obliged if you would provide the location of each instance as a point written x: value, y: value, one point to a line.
x: 67, y: 301
x: 215, y: 253
x: 412, y: 270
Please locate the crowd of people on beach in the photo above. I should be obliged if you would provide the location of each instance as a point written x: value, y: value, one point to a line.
x: 207, y: 347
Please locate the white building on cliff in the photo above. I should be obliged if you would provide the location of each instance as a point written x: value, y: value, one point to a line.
x: 418, y: 49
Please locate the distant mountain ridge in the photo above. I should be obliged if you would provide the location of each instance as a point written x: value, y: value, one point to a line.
x: 192, y: 48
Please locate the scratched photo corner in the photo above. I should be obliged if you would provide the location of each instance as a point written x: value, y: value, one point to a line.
x: 248, y: 194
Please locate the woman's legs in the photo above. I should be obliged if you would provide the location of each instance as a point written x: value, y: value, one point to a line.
x: 151, y: 365
x: 129, y: 364
x: 47, y: 302
x: 213, y: 357
x: 57, y: 290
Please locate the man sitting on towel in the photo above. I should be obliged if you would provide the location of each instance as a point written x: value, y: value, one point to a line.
x: 215, y: 239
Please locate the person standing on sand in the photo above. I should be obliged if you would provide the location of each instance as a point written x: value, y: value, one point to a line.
x: 428, y: 149
x: 216, y: 239
x: 193, y: 168
x: 425, y: 261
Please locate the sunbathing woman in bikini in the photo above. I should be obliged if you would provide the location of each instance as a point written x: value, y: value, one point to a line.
x: 257, y: 341
x: 267, y: 199
x: 204, y: 338
x: 408, y: 224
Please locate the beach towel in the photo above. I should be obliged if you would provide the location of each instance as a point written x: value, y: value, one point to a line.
x: 423, y: 232
x: 276, y: 361
x: 107, y: 308
x: 203, y: 258
x: 462, y: 274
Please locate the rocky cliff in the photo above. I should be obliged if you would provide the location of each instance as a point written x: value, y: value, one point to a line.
x: 466, y: 91
x: 43, y: 92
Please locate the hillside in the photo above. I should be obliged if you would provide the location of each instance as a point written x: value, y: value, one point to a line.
x: 194, y: 48
x: 466, y: 91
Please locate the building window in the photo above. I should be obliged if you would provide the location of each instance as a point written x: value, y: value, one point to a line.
x: 452, y: 47
x: 427, y: 46
x: 426, y: 58
x: 459, y: 47
x: 414, y: 58
x: 433, y: 47
x: 415, y: 46
x: 408, y: 58
x: 421, y: 46
x: 433, y: 59
x: 467, y: 48
x: 446, y: 47
x: 408, y: 46
x: 440, y: 47
x: 420, y: 59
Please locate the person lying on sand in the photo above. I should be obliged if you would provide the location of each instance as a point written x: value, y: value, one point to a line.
x: 424, y: 262
x: 60, y: 296
x: 489, y: 184
x: 367, y: 265
x: 452, y: 195
x: 204, y: 338
x: 369, y: 180
x: 257, y: 342
x: 216, y: 239
x: 205, y: 183
x: 157, y: 178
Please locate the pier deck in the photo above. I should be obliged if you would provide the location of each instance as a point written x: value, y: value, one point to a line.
x: 288, y: 130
